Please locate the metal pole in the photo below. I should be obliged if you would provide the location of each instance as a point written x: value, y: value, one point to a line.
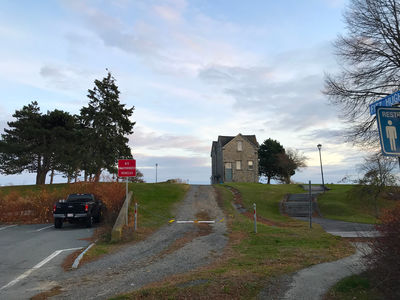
x: 136, y: 216
x: 320, y: 160
x: 310, y: 199
x: 255, y: 218
x: 156, y: 172
x: 127, y: 202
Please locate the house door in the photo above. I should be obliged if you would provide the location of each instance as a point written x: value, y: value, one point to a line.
x: 228, y: 172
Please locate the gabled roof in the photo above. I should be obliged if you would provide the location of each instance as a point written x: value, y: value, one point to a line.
x: 214, y: 146
x: 223, y: 140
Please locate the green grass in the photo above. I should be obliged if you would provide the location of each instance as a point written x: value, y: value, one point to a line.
x: 23, y: 189
x: 251, y: 260
x: 155, y: 208
x: 266, y: 197
x: 354, y: 287
x: 156, y: 202
x: 343, y: 202
x: 293, y: 242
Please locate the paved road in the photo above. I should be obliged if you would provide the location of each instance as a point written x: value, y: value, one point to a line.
x: 148, y: 261
x: 312, y: 283
x: 32, y: 254
x: 344, y: 229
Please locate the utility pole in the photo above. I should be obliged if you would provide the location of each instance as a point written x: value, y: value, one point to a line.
x: 156, y: 172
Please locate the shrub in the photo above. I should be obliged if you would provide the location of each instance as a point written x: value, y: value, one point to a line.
x: 37, y: 206
x: 384, y: 257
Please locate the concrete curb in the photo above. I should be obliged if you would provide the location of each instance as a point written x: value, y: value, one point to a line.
x: 78, y: 259
x: 116, y: 232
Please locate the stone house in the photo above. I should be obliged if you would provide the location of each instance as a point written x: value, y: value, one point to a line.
x: 234, y: 159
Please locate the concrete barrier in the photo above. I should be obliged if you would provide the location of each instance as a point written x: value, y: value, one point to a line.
x: 116, y: 232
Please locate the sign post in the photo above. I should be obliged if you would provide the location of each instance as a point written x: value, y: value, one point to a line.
x: 388, y: 120
x: 126, y: 168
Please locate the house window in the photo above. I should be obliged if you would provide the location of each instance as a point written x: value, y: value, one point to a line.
x: 239, y: 146
x: 228, y: 165
x: 250, y: 165
x: 238, y: 165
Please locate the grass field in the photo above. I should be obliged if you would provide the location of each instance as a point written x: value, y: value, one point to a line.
x: 252, y: 260
x: 156, y: 202
x: 266, y: 197
x: 343, y: 202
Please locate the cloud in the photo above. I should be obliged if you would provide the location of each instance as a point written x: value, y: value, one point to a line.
x: 163, y: 34
x: 147, y: 140
x: 286, y: 92
x: 196, y: 168
x: 335, y: 136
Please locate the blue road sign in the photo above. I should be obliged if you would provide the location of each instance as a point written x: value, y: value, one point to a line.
x: 388, y: 119
x: 387, y: 101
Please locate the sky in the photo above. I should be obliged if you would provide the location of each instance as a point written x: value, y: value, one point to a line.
x: 193, y: 70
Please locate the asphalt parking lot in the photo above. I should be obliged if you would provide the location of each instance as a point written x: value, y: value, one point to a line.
x: 31, y: 256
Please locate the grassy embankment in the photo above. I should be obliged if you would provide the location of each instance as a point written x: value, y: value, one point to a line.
x: 346, y: 203
x: 155, y: 206
x: 251, y: 260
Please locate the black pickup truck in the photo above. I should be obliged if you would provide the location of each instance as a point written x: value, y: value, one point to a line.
x: 78, y: 208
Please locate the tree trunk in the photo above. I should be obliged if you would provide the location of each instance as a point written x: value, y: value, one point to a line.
x: 52, y: 176
x: 269, y: 180
x: 97, y: 176
x: 86, y: 176
x: 41, y: 177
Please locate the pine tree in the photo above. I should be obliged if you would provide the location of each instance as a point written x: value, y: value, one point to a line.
x: 106, y: 123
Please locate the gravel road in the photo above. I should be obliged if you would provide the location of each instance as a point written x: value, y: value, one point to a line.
x: 147, y: 261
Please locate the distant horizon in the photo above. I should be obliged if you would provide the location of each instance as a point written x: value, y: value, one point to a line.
x: 193, y: 70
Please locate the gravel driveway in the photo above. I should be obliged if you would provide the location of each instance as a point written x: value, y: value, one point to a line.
x: 148, y: 261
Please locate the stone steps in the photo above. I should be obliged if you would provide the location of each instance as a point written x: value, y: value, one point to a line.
x: 298, y: 205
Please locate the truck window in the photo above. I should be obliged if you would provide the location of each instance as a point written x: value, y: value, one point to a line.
x: 77, y: 198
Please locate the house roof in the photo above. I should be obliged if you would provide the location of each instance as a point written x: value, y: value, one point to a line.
x: 226, y: 139
x: 214, y: 146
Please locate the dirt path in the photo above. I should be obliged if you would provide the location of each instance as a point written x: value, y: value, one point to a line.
x: 155, y: 258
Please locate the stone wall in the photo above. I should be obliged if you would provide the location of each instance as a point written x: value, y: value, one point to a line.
x: 248, y: 153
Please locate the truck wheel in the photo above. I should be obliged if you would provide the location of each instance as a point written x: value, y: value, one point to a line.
x: 58, y: 222
x: 89, y: 222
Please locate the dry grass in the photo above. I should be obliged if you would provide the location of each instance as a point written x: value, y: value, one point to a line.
x: 35, y: 206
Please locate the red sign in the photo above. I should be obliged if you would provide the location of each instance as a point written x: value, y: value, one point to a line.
x: 126, y: 168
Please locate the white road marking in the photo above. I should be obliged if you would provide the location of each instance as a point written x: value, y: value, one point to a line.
x: 192, y: 222
x: 37, y: 266
x: 5, y: 227
x: 37, y: 230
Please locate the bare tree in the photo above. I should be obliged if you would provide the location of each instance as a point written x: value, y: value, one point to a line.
x: 370, y: 64
x: 289, y: 162
x: 378, y: 174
